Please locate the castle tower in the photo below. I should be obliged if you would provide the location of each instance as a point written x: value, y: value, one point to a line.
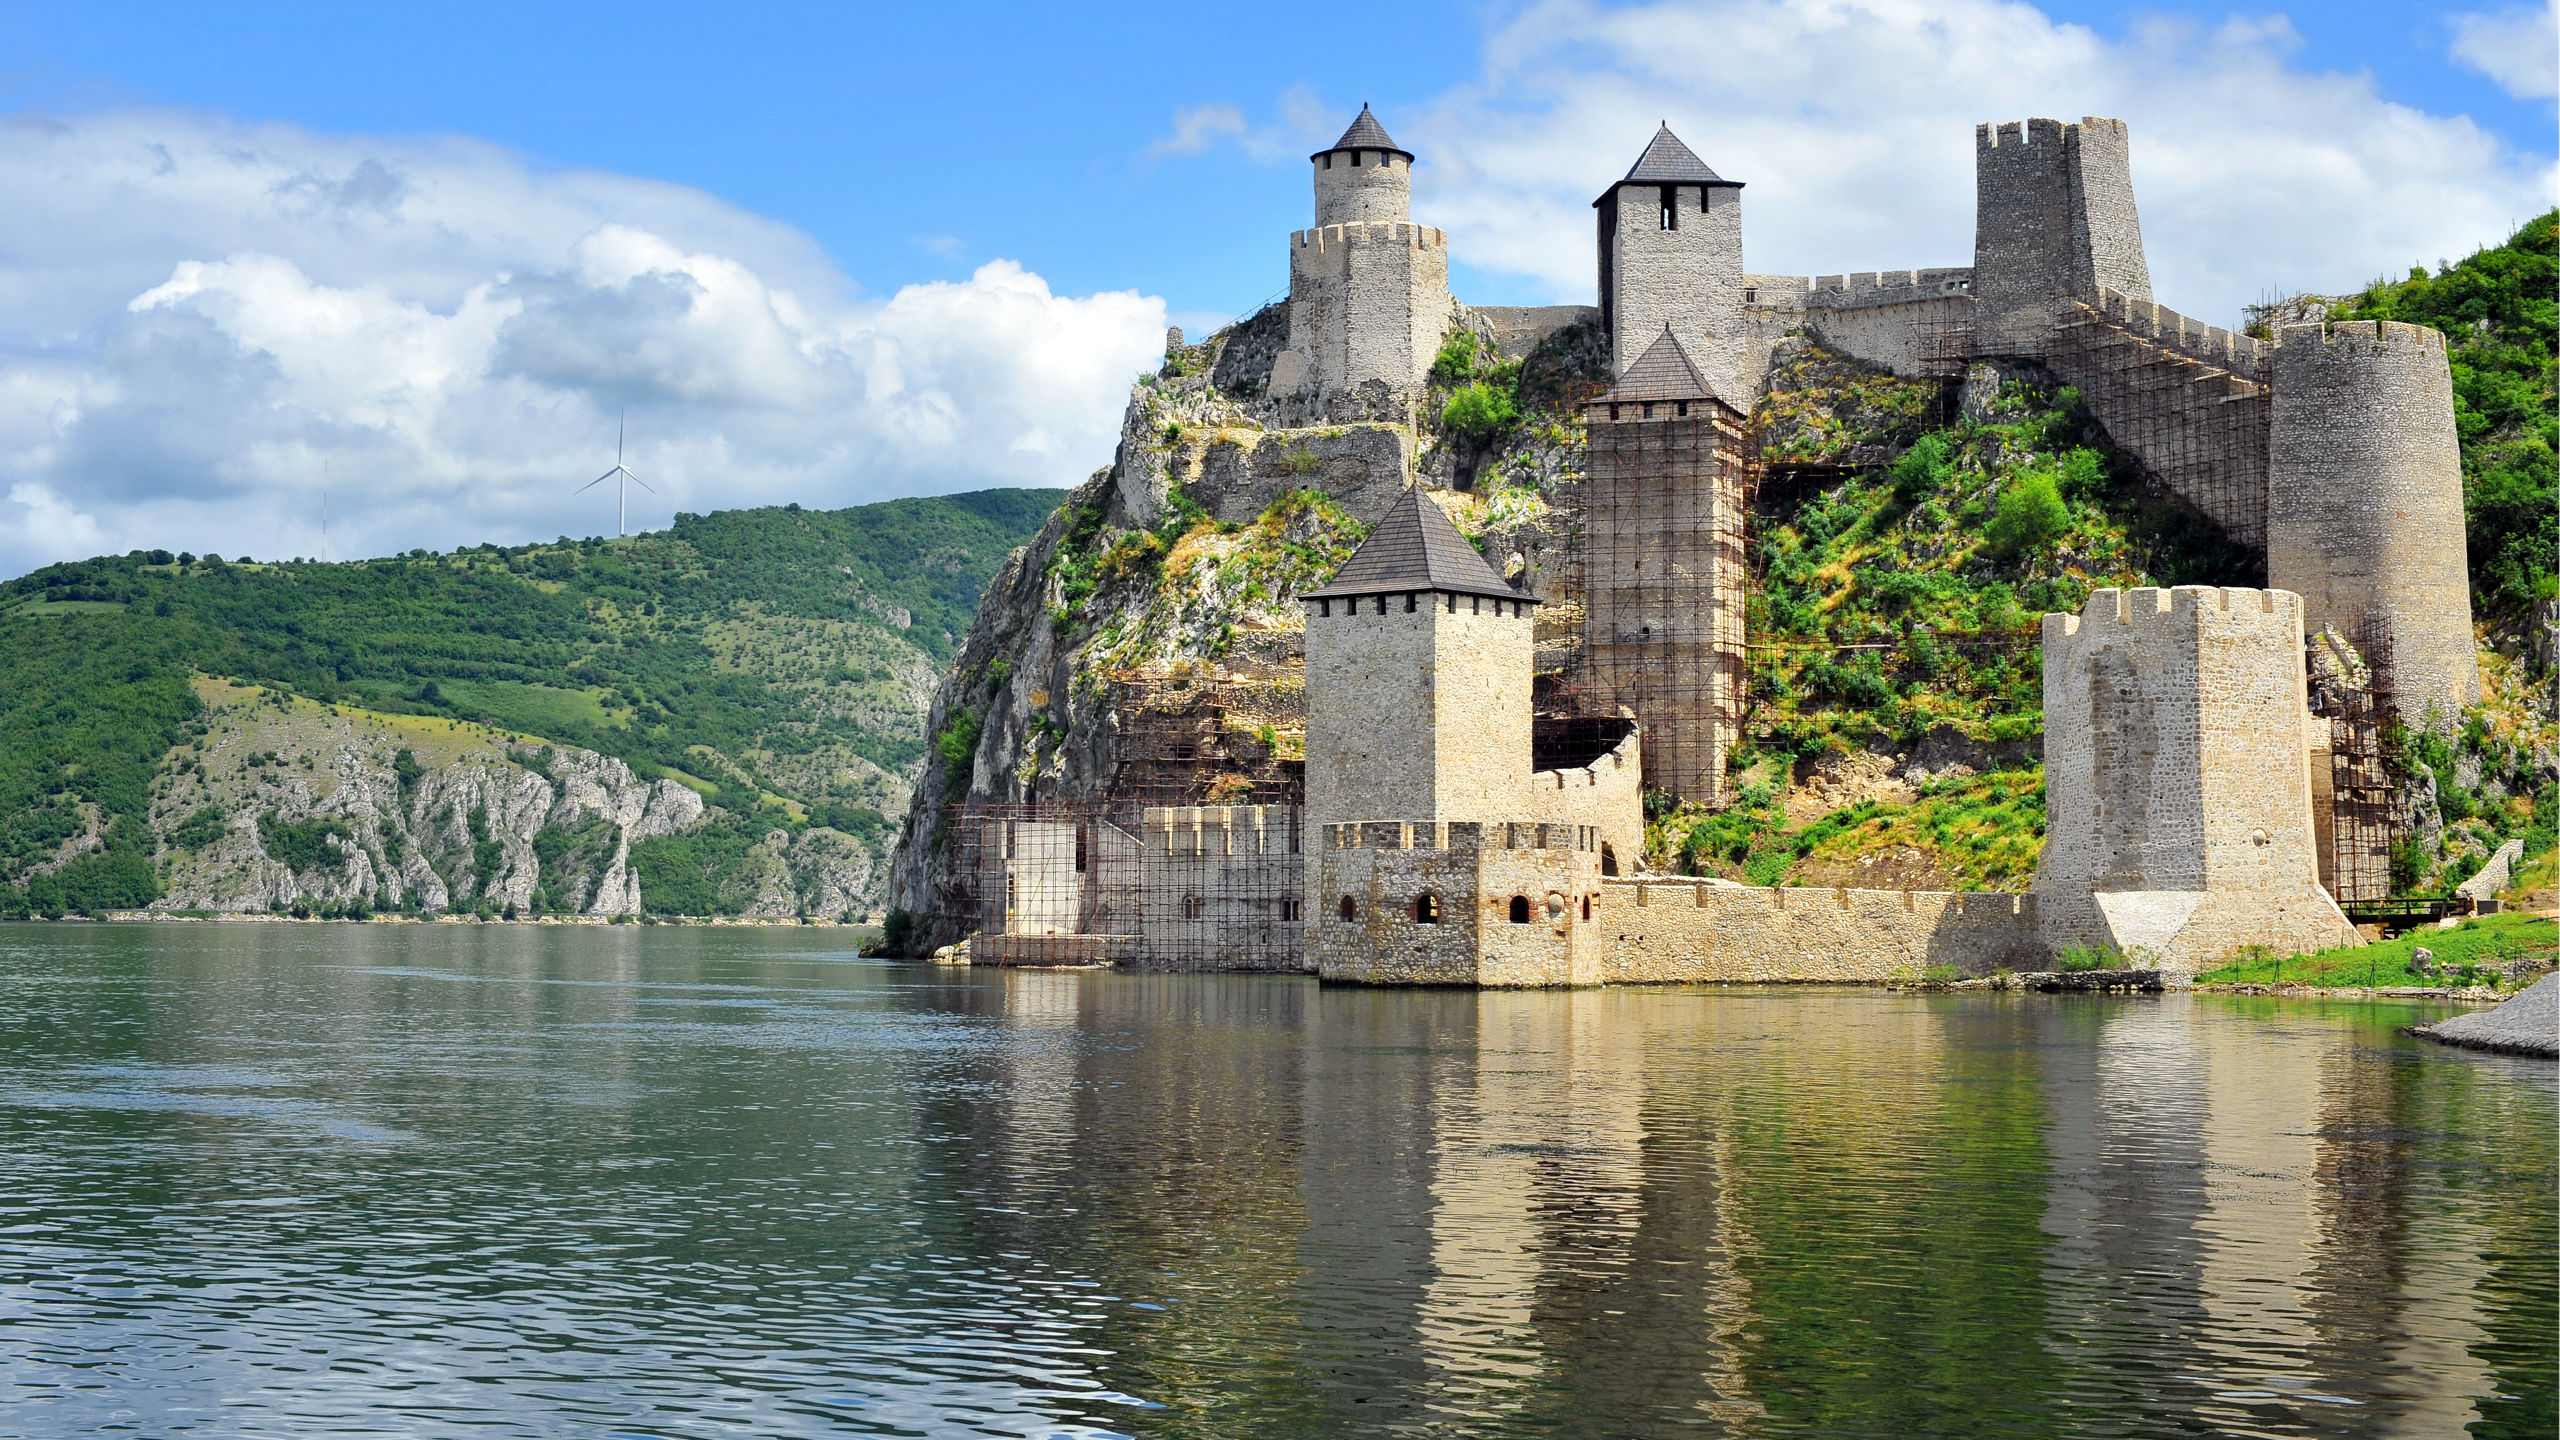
x: 2364, y: 504
x: 1430, y: 864
x: 2177, y: 778
x: 1368, y: 288
x: 2053, y: 221
x: 1663, y: 566
x: 1671, y: 253
x: 1418, y: 673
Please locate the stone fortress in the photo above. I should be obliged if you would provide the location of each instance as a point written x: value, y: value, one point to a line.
x: 1448, y: 835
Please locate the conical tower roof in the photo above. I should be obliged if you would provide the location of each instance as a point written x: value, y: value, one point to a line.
x: 1666, y: 161
x: 1663, y: 372
x: 1415, y: 547
x: 1365, y: 134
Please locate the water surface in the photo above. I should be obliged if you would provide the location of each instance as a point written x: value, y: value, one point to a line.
x: 411, y: 1180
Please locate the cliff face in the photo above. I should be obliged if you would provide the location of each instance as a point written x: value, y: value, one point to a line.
x: 1182, y: 561
x: 283, y: 804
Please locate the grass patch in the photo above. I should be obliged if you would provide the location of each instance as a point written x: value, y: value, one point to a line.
x: 2482, y: 943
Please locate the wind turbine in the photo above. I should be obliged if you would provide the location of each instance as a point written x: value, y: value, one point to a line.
x: 621, y: 496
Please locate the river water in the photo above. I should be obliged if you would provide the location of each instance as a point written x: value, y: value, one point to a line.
x: 502, y: 1180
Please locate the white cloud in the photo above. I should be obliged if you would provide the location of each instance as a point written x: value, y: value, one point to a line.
x: 1852, y: 124
x: 1198, y: 128
x: 204, y: 324
x: 2519, y: 47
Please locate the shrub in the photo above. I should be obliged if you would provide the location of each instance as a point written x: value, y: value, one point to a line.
x: 1479, y: 413
x: 2088, y: 957
x: 2031, y: 514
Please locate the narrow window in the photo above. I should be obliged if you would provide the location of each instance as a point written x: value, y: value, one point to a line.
x: 1382, y: 604
x: 1426, y: 909
x: 1328, y: 159
x: 1008, y: 839
x: 1289, y: 909
x: 1648, y: 409
x: 1355, y: 159
x: 1079, y: 849
x: 1613, y: 412
x: 1325, y: 608
x: 1347, y: 910
x: 1519, y: 909
x: 1684, y: 409
x: 1705, y: 200
x: 1608, y: 860
x: 1586, y: 907
x: 1453, y: 602
x: 1670, y: 207
x: 1193, y: 907
x: 1475, y: 604
x: 1408, y: 602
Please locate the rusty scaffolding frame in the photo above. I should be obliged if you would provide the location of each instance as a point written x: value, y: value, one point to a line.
x: 1165, y: 887
x: 2363, y: 784
x: 2199, y: 430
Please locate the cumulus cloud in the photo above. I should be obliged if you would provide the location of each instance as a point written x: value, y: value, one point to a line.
x: 2519, y: 47
x: 203, y: 325
x: 1199, y: 127
x: 1852, y: 124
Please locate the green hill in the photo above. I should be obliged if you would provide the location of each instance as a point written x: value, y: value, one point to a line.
x: 779, y: 659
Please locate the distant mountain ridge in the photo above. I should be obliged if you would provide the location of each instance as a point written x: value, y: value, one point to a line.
x: 776, y: 662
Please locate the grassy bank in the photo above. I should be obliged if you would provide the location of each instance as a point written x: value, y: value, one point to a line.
x: 2472, y: 952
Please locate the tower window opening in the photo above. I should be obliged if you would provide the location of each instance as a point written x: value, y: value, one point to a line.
x: 1408, y: 602
x: 1706, y: 199
x: 1519, y: 909
x: 1289, y: 909
x: 1453, y: 604
x: 1684, y: 409
x: 1613, y: 412
x: 1608, y: 859
x: 1324, y: 608
x: 1426, y: 909
x: 1475, y: 604
x: 1193, y: 907
x: 1586, y: 907
x: 1079, y: 849
x: 1648, y: 409
x: 1382, y: 604
x: 1328, y: 159
x: 1348, y: 909
x: 1670, y: 207
x: 1355, y: 159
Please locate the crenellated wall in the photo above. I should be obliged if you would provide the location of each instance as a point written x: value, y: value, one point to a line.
x: 1681, y: 931
x: 1507, y: 901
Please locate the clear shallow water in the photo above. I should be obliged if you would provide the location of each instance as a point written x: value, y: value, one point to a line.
x: 300, y: 1180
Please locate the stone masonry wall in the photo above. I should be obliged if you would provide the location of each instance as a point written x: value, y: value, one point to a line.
x: 1420, y: 713
x: 1606, y: 795
x: 1473, y: 871
x: 1367, y: 302
x: 1682, y: 931
x: 1690, y: 277
x: 2177, y: 777
x: 2054, y: 220
x: 2364, y: 501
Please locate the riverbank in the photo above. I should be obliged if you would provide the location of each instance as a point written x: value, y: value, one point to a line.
x: 205, y: 917
x: 2493, y: 955
x: 2528, y: 1024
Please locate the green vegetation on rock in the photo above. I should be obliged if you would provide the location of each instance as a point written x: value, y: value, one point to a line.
x: 2483, y: 950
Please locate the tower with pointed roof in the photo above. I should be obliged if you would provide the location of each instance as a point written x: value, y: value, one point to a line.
x: 1663, y: 567
x: 1671, y: 253
x: 1441, y: 855
x: 1368, y: 289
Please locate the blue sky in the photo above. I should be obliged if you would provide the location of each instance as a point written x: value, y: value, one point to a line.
x: 831, y: 185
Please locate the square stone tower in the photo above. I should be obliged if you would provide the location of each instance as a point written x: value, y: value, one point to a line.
x: 1671, y: 254
x: 1663, y: 567
x: 1368, y: 289
x: 1437, y: 858
x: 2178, y: 779
x: 2053, y: 221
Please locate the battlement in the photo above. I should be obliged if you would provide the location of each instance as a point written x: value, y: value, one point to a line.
x: 2015, y: 133
x: 1887, y: 287
x: 1401, y: 235
x: 2151, y: 610
x: 2360, y: 338
x: 2195, y: 339
x: 1219, y: 829
x: 1461, y: 835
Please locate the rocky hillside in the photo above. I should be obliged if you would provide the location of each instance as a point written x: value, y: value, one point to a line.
x: 716, y: 719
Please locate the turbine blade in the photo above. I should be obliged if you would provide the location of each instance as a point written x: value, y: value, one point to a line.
x: 590, y: 485
x: 636, y: 480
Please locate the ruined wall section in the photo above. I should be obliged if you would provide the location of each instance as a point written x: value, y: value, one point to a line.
x: 2364, y: 502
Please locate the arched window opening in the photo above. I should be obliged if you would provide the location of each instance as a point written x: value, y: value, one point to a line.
x: 1586, y: 907
x: 1670, y: 207
x: 1193, y: 907
x: 1347, y: 909
x: 1608, y: 859
x: 1426, y: 909
x: 1519, y: 909
x: 1289, y: 909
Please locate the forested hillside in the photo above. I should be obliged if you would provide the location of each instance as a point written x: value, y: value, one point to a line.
x: 775, y: 661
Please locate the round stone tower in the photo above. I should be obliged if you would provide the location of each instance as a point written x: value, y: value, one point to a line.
x: 2364, y: 504
x: 1365, y: 178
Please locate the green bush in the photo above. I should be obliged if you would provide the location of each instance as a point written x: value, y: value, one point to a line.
x: 2031, y: 514
x: 1479, y: 413
x: 303, y: 845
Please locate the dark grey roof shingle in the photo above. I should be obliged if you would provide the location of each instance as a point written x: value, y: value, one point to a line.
x: 1365, y: 134
x: 1663, y: 372
x: 1668, y: 162
x: 1415, y: 547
